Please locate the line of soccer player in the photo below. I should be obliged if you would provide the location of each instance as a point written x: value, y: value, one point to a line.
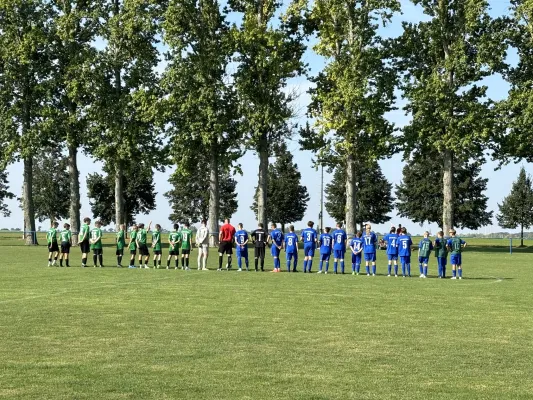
x: 363, y: 246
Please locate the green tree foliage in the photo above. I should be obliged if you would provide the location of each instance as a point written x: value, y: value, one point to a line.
x: 514, y: 140
x: 374, y: 199
x: 420, y: 195
x: 516, y: 209
x: 123, y: 112
x: 444, y: 61
x: 25, y: 87
x: 139, y: 194
x: 354, y: 91
x: 189, y: 198
x: 4, y: 194
x: 268, y: 54
x: 50, y: 186
x: 75, y: 26
x: 287, y: 196
x: 200, y: 108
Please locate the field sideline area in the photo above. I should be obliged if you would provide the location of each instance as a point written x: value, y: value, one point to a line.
x: 72, y: 333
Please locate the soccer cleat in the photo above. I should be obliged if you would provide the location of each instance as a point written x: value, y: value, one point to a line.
x: 326, y: 272
x: 460, y: 277
x: 239, y: 270
x: 219, y: 269
x: 388, y: 275
x: 187, y: 269
x: 205, y: 269
x: 453, y: 277
x: 367, y: 274
x: 167, y: 267
x: 131, y: 266
x: 373, y: 274
x: 396, y: 276
x: 319, y: 272
x: 353, y: 273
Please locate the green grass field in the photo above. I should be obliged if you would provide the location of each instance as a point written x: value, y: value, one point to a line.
x: 156, y: 334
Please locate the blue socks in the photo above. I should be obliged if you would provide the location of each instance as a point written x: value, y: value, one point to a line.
x: 374, y: 269
x: 342, y: 266
x: 426, y: 271
x: 353, y: 267
x: 409, y: 269
x: 320, y: 265
x: 403, y: 269
x: 335, y: 266
x: 305, y: 265
x: 460, y: 270
x: 453, y: 273
x: 367, y: 270
x: 389, y: 268
x: 309, y: 263
x: 421, y: 269
x: 357, y: 267
x: 395, y: 269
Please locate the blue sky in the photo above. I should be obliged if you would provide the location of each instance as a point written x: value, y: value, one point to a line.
x: 499, y: 183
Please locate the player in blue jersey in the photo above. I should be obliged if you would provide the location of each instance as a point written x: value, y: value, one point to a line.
x: 291, y: 249
x: 424, y: 250
x: 339, y: 247
x: 369, y: 249
x: 404, y: 251
x: 326, y: 245
x: 241, y: 242
x: 275, y: 238
x: 309, y: 238
x: 356, y: 246
x: 392, y: 250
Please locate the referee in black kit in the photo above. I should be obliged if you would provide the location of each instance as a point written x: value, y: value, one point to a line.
x: 259, y: 237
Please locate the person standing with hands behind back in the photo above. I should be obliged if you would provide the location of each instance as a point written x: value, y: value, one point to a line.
x: 225, y: 237
x: 259, y: 237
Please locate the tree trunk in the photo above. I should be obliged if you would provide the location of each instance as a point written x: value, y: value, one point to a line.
x: 214, y: 198
x: 75, y: 220
x: 447, y: 191
x: 351, y: 205
x: 30, y: 236
x: 521, y: 235
x: 262, y: 181
x: 119, y: 198
x: 282, y: 228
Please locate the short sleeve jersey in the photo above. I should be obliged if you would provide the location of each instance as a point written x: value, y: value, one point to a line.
x: 456, y: 245
x: 392, y: 243
x: 241, y: 237
x: 121, y: 240
x: 425, y: 247
x: 96, y: 238
x: 369, y: 242
x: 51, y: 236
x: 291, y: 241
x: 133, y: 244
x: 141, y: 236
x: 156, y: 240
x: 65, y: 235
x: 309, y: 237
x: 440, y: 248
x: 228, y: 232
x: 173, y: 239
x: 186, y: 239
x: 356, y: 244
x: 339, y: 240
x: 84, y: 232
x: 404, y: 245
x: 326, y: 242
x: 277, y: 237
x: 259, y: 236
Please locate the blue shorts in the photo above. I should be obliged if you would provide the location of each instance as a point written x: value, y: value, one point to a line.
x: 423, y: 260
x: 242, y: 253
x: 274, y: 250
x: 356, y: 259
x: 325, y: 256
x: 370, y: 257
x: 442, y: 261
x: 405, y: 259
x: 392, y: 257
x: 339, y: 254
x: 309, y: 250
x: 455, y: 259
x: 291, y: 256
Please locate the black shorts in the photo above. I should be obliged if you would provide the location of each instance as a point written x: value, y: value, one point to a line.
x: 85, y: 247
x: 157, y: 252
x: 119, y: 252
x: 133, y: 252
x: 53, y: 247
x: 259, y: 252
x: 65, y: 247
x: 143, y: 250
x: 98, y: 252
x: 185, y: 251
x: 225, y: 247
x: 174, y: 253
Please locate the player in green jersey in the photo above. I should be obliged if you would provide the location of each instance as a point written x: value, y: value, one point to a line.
x: 441, y: 253
x: 424, y: 250
x: 174, y: 239
x: 121, y: 243
x: 132, y: 245
x: 53, y: 248
x: 156, y: 245
x: 142, y: 246
x: 96, y: 244
x: 85, y: 246
x: 455, y: 246
x: 66, y: 243
x: 186, y: 246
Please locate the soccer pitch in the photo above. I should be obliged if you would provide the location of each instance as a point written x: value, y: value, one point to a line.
x: 72, y: 333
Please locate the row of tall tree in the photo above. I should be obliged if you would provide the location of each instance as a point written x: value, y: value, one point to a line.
x: 82, y: 76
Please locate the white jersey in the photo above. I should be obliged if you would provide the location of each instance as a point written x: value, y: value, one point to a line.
x: 202, y: 236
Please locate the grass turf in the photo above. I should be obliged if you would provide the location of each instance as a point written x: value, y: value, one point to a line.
x: 130, y: 334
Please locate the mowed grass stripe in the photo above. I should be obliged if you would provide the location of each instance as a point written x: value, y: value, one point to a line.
x: 115, y: 334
